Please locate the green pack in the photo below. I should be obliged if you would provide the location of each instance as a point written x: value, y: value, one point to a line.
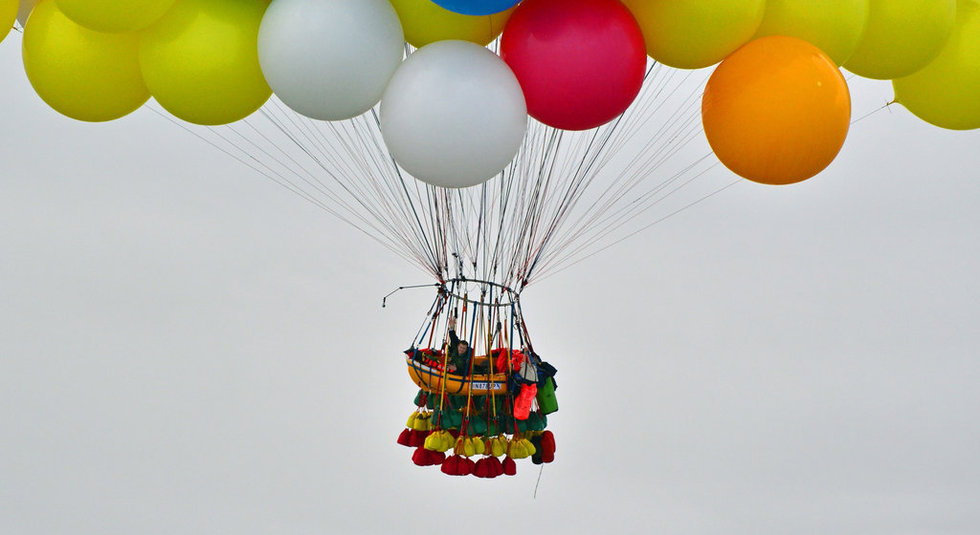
x: 546, y: 397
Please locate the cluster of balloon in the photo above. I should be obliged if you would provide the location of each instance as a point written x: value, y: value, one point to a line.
x: 777, y: 110
x: 454, y: 114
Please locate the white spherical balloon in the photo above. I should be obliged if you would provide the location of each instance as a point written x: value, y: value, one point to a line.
x: 330, y: 59
x: 453, y: 114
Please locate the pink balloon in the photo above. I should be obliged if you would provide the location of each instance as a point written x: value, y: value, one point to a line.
x: 580, y: 62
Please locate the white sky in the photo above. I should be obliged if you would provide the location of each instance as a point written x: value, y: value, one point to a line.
x: 187, y: 348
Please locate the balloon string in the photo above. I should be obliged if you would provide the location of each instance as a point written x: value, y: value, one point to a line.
x: 565, y: 195
x: 870, y: 113
x: 538, y: 483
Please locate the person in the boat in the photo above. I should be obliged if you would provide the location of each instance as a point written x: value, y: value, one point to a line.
x: 458, y: 352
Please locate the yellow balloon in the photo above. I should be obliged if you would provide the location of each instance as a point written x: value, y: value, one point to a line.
x: 8, y: 14
x: 691, y: 34
x: 901, y: 37
x: 946, y: 92
x: 425, y: 22
x: 201, y: 61
x: 834, y: 26
x: 115, y: 15
x: 86, y: 75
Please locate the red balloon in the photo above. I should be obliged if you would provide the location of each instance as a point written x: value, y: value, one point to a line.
x: 580, y: 62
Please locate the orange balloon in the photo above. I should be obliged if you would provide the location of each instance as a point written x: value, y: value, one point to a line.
x: 777, y: 110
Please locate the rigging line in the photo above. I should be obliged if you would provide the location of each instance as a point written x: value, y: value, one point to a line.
x: 574, y: 195
x: 620, y: 192
x: 650, y: 107
x: 602, y: 156
x: 429, y: 316
x: 394, y: 201
x: 333, y: 196
x: 641, y: 203
x: 550, y: 168
x: 615, y: 221
x: 384, y: 165
x: 459, y: 228
x: 624, y: 186
x: 676, y: 126
x: 633, y: 121
x: 280, y: 181
x: 480, y: 229
x: 628, y: 186
x: 298, y: 125
x: 278, y: 178
x: 656, y: 165
x: 870, y: 113
x: 345, y: 152
x: 406, y: 212
x: 516, y: 201
x: 643, y: 157
x: 501, y: 202
x: 268, y: 174
x: 599, y: 233
x: 647, y: 154
x: 317, y: 159
x: 432, y: 253
x: 366, y: 134
x: 319, y: 141
x: 505, y: 184
x: 343, y: 163
x: 645, y: 227
x: 337, y: 180
x: 588, y: 169
x: 535, y: 208
x: 536, y: 212
x: 506, y: 189
x: 313, y: 182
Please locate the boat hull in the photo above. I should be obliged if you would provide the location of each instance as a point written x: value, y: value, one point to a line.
x: 431, y: 380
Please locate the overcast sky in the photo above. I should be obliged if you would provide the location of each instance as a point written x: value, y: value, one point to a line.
x: 187, y: 348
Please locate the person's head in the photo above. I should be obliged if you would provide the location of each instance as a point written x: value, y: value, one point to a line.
x: 462, y: 347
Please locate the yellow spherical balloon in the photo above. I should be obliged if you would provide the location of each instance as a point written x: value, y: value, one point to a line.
x: 901, y: 37
x: 834, y: 26
x: 115, y: 15
x: 86, y: 75
x: 201, y: 60
x: 425, y: 22
x: 946, y: 92
x: 691, y: 34
x: 8, y: 14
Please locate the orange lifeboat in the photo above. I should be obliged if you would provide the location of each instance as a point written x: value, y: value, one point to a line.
x: 430, y: 379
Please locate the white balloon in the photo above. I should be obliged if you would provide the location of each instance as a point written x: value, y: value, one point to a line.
x: 330, y: 59
x: 26, y: 6
x: 453, y: 114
